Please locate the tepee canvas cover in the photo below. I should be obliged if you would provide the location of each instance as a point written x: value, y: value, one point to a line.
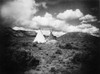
x: 39, y: 37
x: 51, y: 37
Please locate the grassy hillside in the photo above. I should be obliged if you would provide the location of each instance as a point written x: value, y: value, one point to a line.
x: 79, y: 40
x: 74, y: 53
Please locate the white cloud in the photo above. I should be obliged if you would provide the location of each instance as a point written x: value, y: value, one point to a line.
x: 21, y: 28
x: 70, y: 14
x: 49, y: 21
x: 44, y: 21
x: 85, y: 28
x: 88, y: 28
x: 22, y: 10
x: 88, y: 18
x: 19, y: 10
x: 58, y: 34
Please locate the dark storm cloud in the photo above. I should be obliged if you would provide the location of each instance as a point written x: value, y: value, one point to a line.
x: 87, y: 5
x: 4, y: 1
x: 59, y: 1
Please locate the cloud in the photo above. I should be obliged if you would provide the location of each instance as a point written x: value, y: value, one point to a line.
x: 88, y: 18
x: 44, y: 31
x: 48, y: 20
x: 21, y: 28
x: 70, y: 14
x: 23, y: 13
x: 20, y: 11
x: 87, y: 28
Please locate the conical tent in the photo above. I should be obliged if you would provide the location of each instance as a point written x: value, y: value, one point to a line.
x: 51, y: 37
x: 39, y: 37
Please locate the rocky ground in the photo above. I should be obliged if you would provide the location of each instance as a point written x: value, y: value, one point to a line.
x: 73, y: 53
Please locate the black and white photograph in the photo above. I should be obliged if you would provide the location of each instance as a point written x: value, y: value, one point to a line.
x: 49, y: 36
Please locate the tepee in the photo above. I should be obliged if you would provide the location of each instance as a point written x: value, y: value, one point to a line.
x: 51, y: 39
x: 51, y: 36
x: 39, y: 37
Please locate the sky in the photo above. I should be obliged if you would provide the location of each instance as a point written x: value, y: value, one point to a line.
x: 59, y: 15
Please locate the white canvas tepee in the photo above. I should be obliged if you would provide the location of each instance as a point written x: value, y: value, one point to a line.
x: 39, y: 37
